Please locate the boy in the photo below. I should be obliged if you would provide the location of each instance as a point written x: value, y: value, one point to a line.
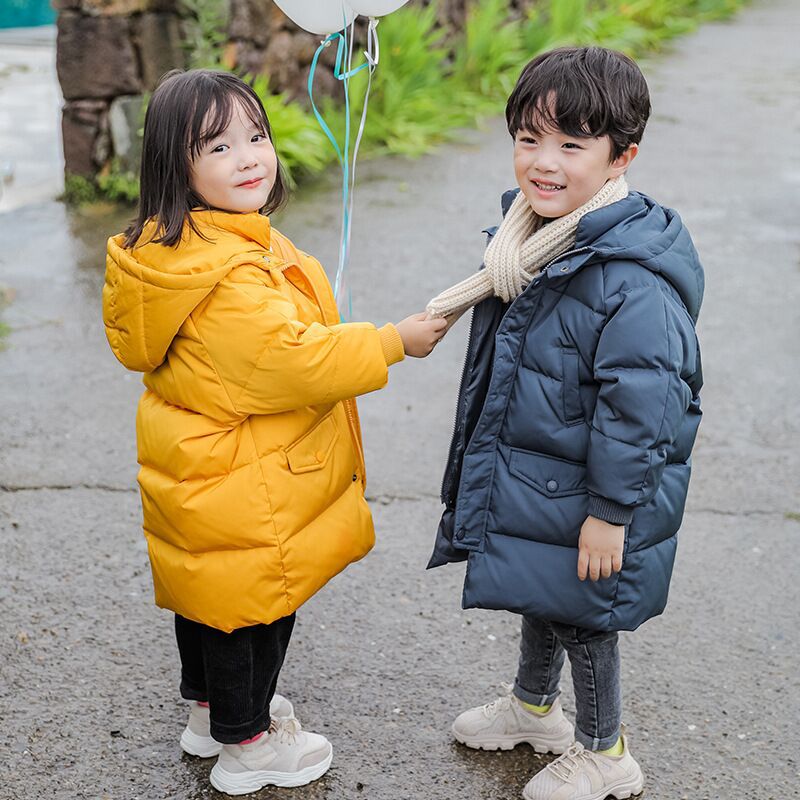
x: 569, y: 465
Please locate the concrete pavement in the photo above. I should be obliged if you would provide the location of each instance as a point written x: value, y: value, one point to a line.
x: 383, y: 658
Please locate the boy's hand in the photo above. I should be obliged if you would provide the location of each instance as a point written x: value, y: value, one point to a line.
x: 600, y: 549
x: 420, y: 334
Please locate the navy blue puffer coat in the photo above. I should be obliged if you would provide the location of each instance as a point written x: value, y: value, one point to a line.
x: 579, y: 398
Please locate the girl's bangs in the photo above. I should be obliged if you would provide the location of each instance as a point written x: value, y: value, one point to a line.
x: 214, y: 108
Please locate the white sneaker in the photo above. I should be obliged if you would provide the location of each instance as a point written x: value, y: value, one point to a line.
x: 285, y: 756
x: 580, y: 774
x: 196, y: 737
x: 505, y: 723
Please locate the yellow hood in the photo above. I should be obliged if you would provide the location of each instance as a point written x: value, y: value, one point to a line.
x: 152, y: 289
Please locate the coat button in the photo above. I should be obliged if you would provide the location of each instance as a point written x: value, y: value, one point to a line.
x: 355, y: 477
x: 320, y: 456
x: 460, y: 534
x: 552, y: 486
x: 565, y: 269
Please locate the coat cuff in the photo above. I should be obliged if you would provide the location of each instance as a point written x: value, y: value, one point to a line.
x: 392, y: 344
x: 609, y: 511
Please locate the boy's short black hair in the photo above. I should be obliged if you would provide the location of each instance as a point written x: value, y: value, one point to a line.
x: 582, y: 91
x: 187, y: 110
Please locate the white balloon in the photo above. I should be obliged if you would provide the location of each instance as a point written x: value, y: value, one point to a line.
x: 376, y: 8
x: 318, y: 16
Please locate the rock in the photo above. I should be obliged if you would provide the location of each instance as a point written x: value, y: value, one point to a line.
x: 253, y: 20
x: 125, y: 120
x: 82, y: 122
x: 160, y: 45
x: 95, y: 57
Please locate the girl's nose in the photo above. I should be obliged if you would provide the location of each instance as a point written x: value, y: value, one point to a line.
x: 248, y: 159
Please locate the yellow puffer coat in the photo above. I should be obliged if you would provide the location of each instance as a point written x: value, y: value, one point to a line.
x: 252, y: 473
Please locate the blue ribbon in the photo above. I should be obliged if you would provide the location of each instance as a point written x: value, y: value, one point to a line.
x: 343, y: 73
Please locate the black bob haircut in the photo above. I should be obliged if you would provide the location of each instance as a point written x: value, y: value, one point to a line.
x: 187, y: 110
x: 582, y: 91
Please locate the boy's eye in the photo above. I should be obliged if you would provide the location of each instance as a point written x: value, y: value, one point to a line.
x: 572, y: 146
x: 527, y: 140
x: 258, y: 137
x: 220, y: 148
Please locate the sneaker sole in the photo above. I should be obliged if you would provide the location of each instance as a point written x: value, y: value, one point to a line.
x: 246, y: 782
x: 621, y: 790
x: 200, y: 746
x: 507, y: 742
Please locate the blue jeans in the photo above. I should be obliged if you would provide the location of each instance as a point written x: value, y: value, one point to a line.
x: 594, y: 659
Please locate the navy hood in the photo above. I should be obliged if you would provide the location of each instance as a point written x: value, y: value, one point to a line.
x: 639, y: 229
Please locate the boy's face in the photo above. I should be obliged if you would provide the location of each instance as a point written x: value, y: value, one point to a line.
x: 559, y: 173
x: 237, y: 170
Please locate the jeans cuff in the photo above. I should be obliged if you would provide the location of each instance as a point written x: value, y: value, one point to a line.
x: 233, y: 734
x: 534, y: 699
x: 596, y: 742
x: 192, y: 692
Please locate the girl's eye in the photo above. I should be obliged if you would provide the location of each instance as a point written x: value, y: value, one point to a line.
x: 259, y: 137
x: 220, y: 148
x: 572, y: 146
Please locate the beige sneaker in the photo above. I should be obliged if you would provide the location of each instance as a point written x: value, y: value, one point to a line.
x: 505, y: 723
x: 196, y: 737
x: 580, y: 774
x: 285, y: 756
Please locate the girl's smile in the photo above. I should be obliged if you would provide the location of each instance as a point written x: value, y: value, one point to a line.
x: 236, y: 170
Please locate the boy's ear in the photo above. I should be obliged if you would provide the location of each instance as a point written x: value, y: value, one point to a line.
x: 621, y: 163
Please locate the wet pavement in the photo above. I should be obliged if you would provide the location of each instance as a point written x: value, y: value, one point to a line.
x: 383, y: 658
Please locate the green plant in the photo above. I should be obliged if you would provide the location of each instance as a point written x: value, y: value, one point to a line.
x: 6, y: 296
x: 206, y: 32
x: 411, y: 102
x: 489, y: 52
x: 119, y: 185
x: 78, y: 190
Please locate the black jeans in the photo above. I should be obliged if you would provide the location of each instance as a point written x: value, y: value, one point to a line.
x: 235, y: 673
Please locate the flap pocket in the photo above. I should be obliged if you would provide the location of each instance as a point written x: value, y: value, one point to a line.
x: 312, y: 450
x: 553, y: 477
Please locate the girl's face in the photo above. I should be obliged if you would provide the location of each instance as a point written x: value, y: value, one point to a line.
x: 236, y: 170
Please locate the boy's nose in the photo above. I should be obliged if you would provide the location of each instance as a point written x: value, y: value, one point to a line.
x: 544, y: 162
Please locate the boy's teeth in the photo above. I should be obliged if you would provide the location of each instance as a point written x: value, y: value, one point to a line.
x: 548, y: 187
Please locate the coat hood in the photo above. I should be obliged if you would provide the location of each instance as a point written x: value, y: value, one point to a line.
x: 151, y: 289
x: 639, y: 229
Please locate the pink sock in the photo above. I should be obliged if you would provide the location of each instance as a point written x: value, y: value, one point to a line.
x: 254, y: 739
x: 202, y: 705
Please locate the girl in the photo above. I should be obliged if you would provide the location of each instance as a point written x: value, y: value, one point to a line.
x: 252, y: 471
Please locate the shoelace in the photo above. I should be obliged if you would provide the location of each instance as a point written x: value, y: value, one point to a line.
x: 285, y: 729
x: 503, y: 703
x: 567, y: 765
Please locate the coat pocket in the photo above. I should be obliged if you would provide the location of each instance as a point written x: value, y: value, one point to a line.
x: 538, y: 497
x: 571, y: 385
x: 553, y: 477
x: 312, y: 450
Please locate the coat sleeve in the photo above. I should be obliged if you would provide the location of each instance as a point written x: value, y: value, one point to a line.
x: 644, y: 350
x: 269, y: 361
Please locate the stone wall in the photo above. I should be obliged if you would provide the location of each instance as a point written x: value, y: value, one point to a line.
x: 110, y: 52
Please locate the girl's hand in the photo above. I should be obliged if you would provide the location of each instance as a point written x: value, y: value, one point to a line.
x: 420, y: 334
x: 600, y: 549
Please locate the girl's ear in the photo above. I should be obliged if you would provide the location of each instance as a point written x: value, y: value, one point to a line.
x: 621, y: 163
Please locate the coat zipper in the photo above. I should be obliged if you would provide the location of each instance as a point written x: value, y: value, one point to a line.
x: 447, y: 478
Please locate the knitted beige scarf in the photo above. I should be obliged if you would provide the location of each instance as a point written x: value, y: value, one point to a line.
x: 522, y: 246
